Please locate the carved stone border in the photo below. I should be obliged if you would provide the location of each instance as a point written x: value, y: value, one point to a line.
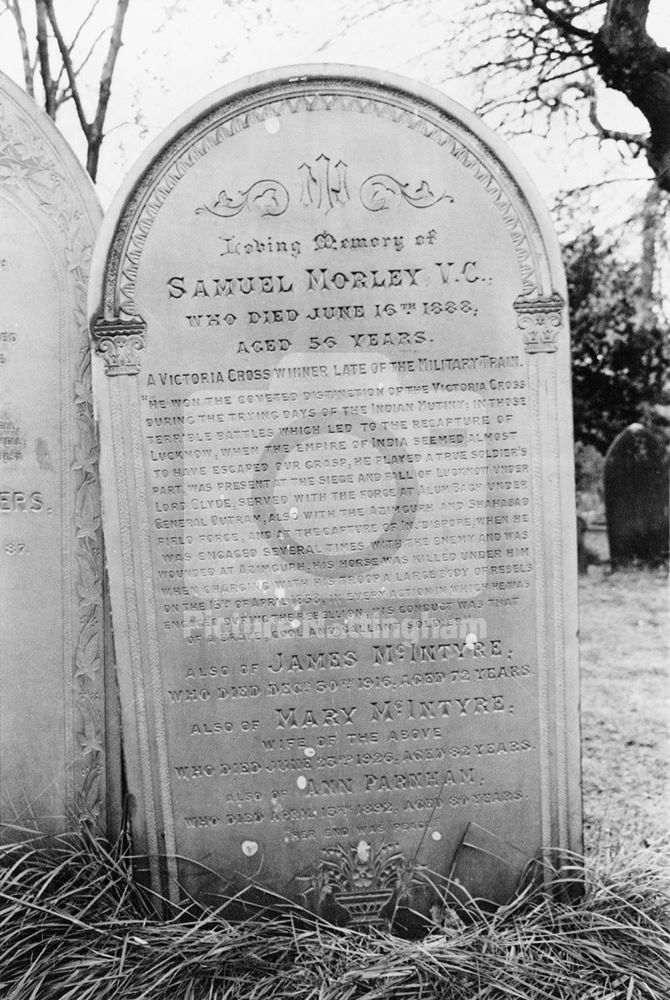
x: 32, y: 167
x: 539, y: 313
x: 214, y: 127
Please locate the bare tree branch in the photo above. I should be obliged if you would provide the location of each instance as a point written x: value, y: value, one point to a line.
x: 43, y: 52
x: 93, y: 46
x: 588, y: 90
x: 13, y: 7
x: 359, y: 18
x: 560, y: 21
x: 69, y: 68
x: 66, y: 93
x: 53, y: 52
x: 83, y: 24
x: 631, y: 61
x: 96, y: 135
x: 66, y: 90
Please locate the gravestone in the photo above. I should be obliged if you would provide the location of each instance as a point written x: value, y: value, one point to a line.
x: 53, y: 764
x: 635, y: 480
x: 332, y: 377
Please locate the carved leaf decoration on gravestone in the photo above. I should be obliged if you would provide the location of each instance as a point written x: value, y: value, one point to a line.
x: 52, y: 688
x: 332, y: 374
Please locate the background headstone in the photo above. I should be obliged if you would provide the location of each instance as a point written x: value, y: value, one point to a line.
x: 332, y: 377
x: 636, y: 489
x: 53, y: 761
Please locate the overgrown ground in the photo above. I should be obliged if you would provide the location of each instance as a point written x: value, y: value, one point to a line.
x: 624, y: 650
x: 73, y: 926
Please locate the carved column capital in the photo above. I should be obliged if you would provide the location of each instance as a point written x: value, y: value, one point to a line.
x: 540, y: 321
x: 119, y: 342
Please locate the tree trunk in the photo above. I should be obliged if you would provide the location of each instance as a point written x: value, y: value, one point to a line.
x: 651, y: 220
x: 629, y: 60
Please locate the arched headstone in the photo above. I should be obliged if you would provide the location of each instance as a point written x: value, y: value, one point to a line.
x: 332, y: 373
x: 636, y: 498
x: 53, y: 734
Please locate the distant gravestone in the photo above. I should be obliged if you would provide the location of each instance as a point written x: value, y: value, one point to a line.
x: 332, y: 376
x: 636, y: 498
x: 52, y: 690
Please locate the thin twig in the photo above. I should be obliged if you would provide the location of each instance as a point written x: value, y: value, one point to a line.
x: 69, y: 68
x: 104, y: 93
x: 14, y: 8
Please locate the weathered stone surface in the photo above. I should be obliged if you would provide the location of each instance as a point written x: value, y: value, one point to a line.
x: 52, y: 699
x: 332, y: 373
x: 636, y: 498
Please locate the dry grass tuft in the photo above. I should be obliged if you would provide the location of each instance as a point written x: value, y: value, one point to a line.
x: 74, y: 926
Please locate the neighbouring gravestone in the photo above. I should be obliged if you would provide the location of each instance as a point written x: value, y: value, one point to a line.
x: 635, y: 480
x: 52, y: 689
x: 332, y: 378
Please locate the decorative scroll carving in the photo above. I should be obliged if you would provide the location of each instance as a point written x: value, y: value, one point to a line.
x: 381, y: 191
x: 266, y: 197
x: 180, y: 157
x: 540, y: 321
x: 120, y: 342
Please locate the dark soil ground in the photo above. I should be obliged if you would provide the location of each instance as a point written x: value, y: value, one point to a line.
x: 625, y: 666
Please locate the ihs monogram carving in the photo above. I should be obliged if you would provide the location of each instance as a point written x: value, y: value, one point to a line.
x: 460, y: 146
x: 120, y: 342
x: 323, y: 186
x: 540, y: 322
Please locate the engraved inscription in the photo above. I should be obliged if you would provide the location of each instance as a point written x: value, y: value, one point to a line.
x: 342, y: 524
x: 49, y: 495
x: 12, y: 441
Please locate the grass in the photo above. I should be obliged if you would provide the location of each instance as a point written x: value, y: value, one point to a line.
x: 74, y: 926
x: 625, y: 667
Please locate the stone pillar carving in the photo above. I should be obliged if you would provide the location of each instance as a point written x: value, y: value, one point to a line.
x: 119, y: 342
x: 540, y: 321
